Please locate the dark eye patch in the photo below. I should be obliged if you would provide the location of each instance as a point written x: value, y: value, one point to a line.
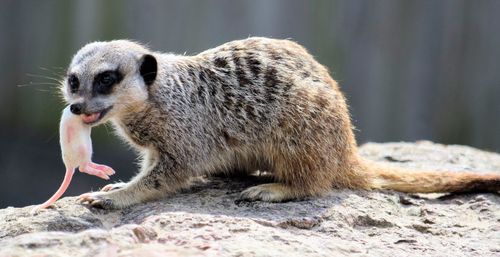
x: 104, y: 82
x: 73, y: 83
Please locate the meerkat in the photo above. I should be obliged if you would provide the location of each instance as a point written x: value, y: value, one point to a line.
x: 247, y: 105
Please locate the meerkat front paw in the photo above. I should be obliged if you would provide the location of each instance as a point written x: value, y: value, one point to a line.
x: 99, y: 200
x: 102, y: 199
x: 273, y: 192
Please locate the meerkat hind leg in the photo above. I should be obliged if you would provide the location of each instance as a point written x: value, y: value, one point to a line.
x: 271, y: 192
x: 292, y: 179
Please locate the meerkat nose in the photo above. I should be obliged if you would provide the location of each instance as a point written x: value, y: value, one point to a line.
x: 76, y: 109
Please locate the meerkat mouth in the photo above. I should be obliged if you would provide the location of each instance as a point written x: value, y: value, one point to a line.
x: 93, y: 118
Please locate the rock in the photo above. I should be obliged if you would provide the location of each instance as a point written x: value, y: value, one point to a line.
x: 206, y: 220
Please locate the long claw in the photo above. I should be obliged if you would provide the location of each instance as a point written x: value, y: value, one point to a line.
x: 110, y: 187
x: 96, y: 199
x: 107, y: 188
x: 83, y: 198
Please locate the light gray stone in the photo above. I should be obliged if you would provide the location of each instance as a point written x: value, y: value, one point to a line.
x: 206, y: 220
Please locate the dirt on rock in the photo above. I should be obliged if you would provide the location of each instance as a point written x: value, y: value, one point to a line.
x: 208, y: 220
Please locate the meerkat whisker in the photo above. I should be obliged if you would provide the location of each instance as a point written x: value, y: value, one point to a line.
x: 57, y: 80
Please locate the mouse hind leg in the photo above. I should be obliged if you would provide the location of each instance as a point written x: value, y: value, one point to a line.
x: 100, y: 171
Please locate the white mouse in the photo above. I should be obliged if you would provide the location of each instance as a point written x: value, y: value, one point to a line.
x: 76, y: 149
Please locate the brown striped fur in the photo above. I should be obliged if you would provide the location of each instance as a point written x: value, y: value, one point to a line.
x: 251, y: 104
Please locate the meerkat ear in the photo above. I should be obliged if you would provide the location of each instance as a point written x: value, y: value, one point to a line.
x: 148, y: 69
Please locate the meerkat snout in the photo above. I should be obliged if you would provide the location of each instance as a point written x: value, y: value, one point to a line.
x: 91, y: 111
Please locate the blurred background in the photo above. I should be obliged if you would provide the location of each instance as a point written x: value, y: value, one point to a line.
x: 411, y: 70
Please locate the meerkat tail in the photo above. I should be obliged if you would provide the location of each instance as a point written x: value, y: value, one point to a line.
x: 413, y: 181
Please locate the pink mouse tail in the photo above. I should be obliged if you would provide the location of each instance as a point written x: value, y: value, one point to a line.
x: 64, y: 185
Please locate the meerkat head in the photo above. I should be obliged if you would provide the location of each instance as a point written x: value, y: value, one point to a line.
x: 107, y: 79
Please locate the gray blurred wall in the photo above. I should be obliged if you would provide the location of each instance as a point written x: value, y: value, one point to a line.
x: 411, y: 70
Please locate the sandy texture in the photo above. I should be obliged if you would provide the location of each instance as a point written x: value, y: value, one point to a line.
x: 207, y: 220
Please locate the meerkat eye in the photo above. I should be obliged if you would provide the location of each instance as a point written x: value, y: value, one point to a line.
x: 73, y: 83
x: 104, y: 81
x: 107, y: 79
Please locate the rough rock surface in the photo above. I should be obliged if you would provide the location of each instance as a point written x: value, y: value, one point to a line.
x: 206, y: 220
